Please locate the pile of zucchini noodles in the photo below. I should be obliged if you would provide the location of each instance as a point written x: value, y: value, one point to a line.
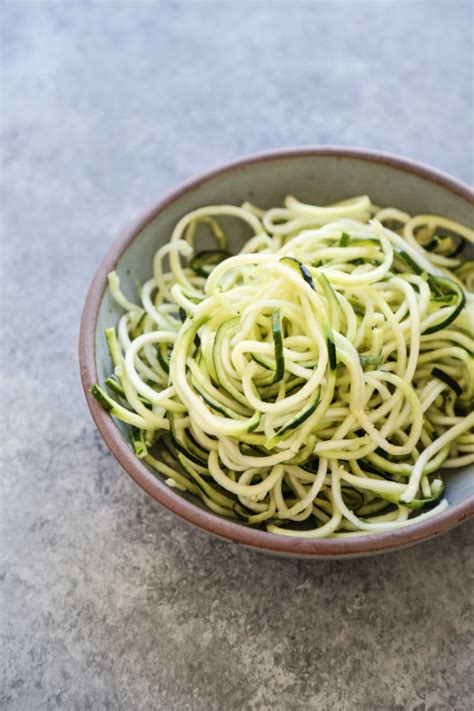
x: 312, y: 384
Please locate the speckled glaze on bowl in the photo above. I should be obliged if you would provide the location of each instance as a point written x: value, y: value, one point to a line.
x: 315, y: 175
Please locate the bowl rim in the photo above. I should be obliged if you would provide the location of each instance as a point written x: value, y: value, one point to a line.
x: 173, y: 501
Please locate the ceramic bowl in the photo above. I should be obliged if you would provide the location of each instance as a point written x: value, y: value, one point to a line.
x: 315, y: 175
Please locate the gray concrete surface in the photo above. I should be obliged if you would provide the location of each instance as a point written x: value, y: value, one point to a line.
x: 107, y: 601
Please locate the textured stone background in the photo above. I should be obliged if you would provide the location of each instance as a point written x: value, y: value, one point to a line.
x: 107, y: 601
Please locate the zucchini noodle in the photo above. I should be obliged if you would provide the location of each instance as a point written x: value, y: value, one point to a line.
x: 313, y: 384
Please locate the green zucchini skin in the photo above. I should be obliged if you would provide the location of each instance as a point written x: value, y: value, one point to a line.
x: 446, y: 378
x: 208, y: 258
x: 293, y: 423
x: 458, y: 292
x: 277, y: 333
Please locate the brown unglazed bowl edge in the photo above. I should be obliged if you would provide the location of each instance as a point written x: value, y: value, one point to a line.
x: 174, y: 502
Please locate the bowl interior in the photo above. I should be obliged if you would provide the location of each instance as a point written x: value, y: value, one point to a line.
x: 318, y: 179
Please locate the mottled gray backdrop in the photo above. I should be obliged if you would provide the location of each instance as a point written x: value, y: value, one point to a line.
x: 108, y: 602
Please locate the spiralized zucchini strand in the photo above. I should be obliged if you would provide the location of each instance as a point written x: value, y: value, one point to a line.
x: 315, y: 382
